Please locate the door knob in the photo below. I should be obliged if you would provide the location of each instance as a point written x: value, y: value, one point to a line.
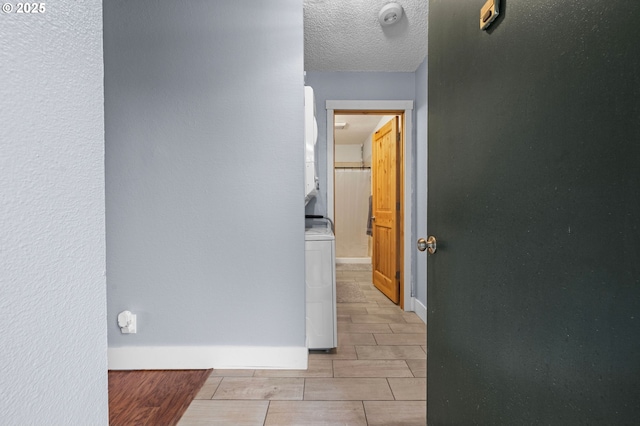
x: 429, y: 244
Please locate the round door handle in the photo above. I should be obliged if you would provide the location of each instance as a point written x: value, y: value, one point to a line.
x: 432, y: 244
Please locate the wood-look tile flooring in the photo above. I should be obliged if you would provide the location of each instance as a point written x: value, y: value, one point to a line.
x: 376, y: 376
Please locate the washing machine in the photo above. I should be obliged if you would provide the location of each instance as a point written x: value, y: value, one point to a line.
x: 320, y: 282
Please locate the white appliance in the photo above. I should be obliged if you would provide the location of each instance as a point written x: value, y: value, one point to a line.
x: 310, y: 139
x: 320, y: 282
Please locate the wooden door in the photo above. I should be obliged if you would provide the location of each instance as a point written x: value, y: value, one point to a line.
x: 385, y: 208
x: 534, y: 196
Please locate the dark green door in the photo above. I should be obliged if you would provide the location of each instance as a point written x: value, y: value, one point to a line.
x: 534, y: 195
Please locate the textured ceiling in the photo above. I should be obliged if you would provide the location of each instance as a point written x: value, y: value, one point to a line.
x: 345, y: 35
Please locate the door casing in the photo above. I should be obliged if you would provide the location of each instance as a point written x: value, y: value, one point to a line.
x: 404, y: 107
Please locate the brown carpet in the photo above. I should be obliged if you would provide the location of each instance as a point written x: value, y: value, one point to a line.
x: 152, y: 397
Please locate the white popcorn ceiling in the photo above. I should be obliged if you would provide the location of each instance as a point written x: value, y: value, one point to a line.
x: 345, y: 35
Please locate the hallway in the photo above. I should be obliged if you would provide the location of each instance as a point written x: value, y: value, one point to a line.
x: 377, y: 376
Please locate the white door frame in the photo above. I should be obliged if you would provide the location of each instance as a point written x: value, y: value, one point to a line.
x: 383, y: 106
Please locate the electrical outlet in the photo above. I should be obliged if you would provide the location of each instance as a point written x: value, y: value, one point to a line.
x: 127, y: 322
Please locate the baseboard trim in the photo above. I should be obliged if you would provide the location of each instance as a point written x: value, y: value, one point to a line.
x: 419, y: 309
x: 341, y: 260
x: 205, y: 357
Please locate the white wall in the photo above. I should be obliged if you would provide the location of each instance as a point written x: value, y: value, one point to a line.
x: 205, y: 191
x: 53, y: 366
x: 367, y: 153
x: 348, y: 153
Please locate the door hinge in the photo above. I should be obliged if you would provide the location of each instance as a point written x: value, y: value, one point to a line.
x: 398, y: 137
x: 397, y: 275
x: 398, y: 206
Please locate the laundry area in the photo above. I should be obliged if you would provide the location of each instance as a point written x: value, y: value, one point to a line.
x: 320, y: 285
x: 320, y: 251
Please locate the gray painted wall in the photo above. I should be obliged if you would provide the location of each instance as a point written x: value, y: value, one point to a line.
x: 350, y: 86
x: 420, y: 158
x: 52, y: 234
x: 204, y: 171
x: 358, y: 86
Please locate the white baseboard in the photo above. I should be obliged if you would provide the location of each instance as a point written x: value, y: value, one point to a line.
x: 419, y: 309
x: 205, y: 357
x: 353, y: 260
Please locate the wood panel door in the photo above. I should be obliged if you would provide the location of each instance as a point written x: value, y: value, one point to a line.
x: 385, y: 208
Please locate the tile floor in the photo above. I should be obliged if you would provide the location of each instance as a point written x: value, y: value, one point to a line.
x: 376, y: 376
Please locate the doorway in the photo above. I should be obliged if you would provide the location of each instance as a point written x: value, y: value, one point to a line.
x: 367, y: 196
x: 382, y: 108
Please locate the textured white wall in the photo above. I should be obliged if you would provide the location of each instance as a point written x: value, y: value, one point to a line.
x: 52, y: 231
x: 204, y: 157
